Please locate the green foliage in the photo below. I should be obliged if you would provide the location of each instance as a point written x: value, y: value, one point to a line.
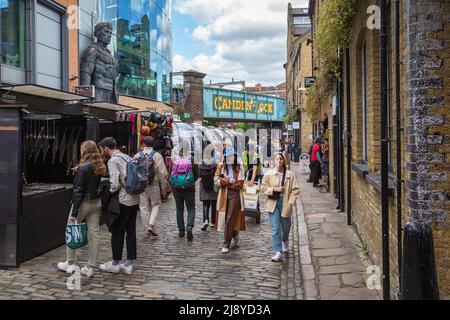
x: 334, y: 30
x: 244, y: 126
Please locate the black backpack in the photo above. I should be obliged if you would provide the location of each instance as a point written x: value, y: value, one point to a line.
x: 207, y: 173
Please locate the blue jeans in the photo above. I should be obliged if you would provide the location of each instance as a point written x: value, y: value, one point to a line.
x: 280, y: 226
x: 181, y: 197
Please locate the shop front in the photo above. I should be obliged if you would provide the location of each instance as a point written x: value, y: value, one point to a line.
x: 41, y: 130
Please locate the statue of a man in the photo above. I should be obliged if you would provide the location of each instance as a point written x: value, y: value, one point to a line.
x: 98, y: 66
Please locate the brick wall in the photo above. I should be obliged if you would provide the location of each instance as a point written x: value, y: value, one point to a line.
x: 427, y: 129
x: 73, y: 47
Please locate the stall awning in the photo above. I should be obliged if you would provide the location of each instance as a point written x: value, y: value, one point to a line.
x: 105, y: 110
x: 145, y: 105
x: 44, y: 92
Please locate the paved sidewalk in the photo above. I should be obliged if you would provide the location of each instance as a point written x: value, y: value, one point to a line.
x: 332, y: 266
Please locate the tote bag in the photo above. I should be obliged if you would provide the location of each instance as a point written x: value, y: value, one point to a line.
x: 76, y: 234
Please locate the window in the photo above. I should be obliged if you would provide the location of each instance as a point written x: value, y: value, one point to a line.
x: 301, y: 20
x: 364, y: 102
x: 12, y: 33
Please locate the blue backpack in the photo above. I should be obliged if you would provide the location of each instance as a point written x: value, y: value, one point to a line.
x: 136, y: 179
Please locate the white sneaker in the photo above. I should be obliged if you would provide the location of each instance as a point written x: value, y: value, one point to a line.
x: 87, y: 271
x: 125, y: 269
x: 225, y: 250
x: 277, y: 257
x: 64, y: 266
x: 109, y: 267
x: 285, y: 246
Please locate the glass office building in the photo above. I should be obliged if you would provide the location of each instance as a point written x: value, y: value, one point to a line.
x: 142, y: 45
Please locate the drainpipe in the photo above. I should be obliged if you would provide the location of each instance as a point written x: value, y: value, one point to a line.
x: 384, y: 154
x: 349, y: 138
x: 340, y: 136
x: 398, y: 144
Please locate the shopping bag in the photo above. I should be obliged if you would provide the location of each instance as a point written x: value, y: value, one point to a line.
x: 221, y: 217
x: 76, y: 235
x: 250, y: 201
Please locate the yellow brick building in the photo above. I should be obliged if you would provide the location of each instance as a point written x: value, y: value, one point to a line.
x: 421, y: 127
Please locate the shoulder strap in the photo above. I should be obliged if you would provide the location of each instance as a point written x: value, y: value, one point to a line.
x: 284, y: 177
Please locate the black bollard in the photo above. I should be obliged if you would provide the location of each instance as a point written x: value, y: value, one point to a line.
x: 419, y: 279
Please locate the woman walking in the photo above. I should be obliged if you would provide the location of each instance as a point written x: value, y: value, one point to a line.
x: 208, y: 195
x: 282, y: 191
x: 86, y: 204
x: 229, y: 181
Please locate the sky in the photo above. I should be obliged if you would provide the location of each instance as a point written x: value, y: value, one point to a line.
x: 244, y: 40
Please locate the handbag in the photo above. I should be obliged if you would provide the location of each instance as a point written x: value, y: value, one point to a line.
x: 76, y: 234
x: 277, y: 195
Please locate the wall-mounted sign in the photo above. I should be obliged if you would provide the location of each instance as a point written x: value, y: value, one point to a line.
x: 187, y: 115
x: 290, y: 128
x: 87, y: 91
x: 237, y: 105
x: 296, y: 125
x: 309, y: 81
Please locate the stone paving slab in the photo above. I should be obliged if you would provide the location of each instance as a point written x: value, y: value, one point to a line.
x: 332, y: 267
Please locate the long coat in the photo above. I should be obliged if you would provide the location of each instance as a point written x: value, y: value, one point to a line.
x: 238, y: 175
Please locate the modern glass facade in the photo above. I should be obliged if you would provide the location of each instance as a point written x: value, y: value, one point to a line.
x: 142, y: 45
x: 12, y: 33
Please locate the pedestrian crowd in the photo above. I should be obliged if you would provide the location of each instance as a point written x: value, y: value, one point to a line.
x: 111, y: 188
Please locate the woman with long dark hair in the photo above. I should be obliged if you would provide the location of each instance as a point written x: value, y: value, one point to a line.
x: 86, y: 203
x: 282, y: 191
x: 229, y: 181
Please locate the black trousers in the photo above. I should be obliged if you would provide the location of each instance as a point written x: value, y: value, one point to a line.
x: 206, y: 205
x: 124, y: 226
x: 316, y: 172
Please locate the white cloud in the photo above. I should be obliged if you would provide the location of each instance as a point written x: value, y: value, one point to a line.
x: 249, y: 38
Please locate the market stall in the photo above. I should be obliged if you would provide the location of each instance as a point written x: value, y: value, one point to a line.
x: 41, y: 130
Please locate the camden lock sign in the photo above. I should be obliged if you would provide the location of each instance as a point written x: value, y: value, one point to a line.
x: 237, y: 105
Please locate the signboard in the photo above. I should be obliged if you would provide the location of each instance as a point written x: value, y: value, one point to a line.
x: 333, y: 112
x: 8, y: 98
x: 241, y: 106
x: 187, y: 115
x: 296, y: 125
x: 290, y: 128
x: 309, y: 81
x: 87, y: 91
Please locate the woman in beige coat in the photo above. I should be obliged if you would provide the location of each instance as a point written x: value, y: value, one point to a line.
x: 282, y: 191
x: 229, y: 181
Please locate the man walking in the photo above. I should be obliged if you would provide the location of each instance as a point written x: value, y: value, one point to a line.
x: 150, y: 199
x: 125, y: 224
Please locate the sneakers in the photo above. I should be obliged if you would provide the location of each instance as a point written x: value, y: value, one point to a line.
x: 152, y: 231
x: 190, y: 236
x: 126, y: 269
x: 64, y: 266
x: 87, y: 271
x: 212, y: 225
x: 285, y: 246
x: 277, y: 257
x: 225, y: 250
x: 205, y: 226
x: 109, y: 267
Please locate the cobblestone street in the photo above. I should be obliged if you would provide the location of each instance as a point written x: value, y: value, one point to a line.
x: 172, y: 268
